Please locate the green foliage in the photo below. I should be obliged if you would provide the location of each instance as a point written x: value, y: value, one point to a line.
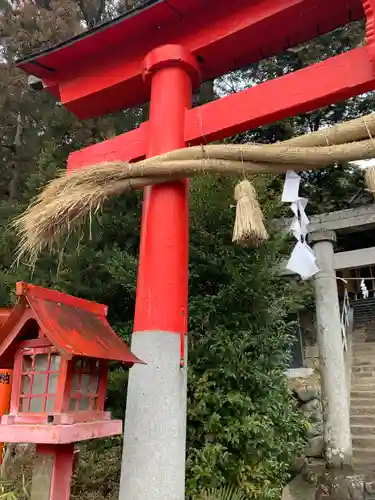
x: 242, y: 426
x: 227, y: 493
x: 335, y: 188
x: 98, y: 474
x: 14, y: 488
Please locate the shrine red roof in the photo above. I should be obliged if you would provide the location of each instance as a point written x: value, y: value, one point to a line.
x: 74, y: 326
x: 100, y: 71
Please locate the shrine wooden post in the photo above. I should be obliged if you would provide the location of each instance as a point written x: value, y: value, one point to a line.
x: 155, y: 50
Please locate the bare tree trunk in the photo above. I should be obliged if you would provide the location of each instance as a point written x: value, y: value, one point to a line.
x: 92, y: 11
x: 13, y: 184
x: 7, y: 459
x: 17, y: 145
x: 204, y: 94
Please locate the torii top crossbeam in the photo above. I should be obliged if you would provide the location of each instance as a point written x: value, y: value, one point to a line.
x: 101, y: 70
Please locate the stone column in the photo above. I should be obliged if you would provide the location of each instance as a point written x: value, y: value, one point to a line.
x: 335, y: 397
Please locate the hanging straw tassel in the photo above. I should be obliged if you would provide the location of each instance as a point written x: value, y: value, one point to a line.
x: 370, y: 179
x: 249, y: 228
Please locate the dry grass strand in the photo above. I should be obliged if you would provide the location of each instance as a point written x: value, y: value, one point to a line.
x: 249, y: 229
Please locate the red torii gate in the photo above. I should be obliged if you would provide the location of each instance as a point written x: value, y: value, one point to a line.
x: 164, y: 49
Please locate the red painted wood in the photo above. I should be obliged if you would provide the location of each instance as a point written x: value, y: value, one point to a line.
x: 41, y: 342
x: 61, y: 386
x: 61, y: 412
x: 68, y: 385
x: 16, y: 383
x: 100, y: 394
x: 330, y: 81
x: 62, y: 472
x: 116, y: 149
x: 102, y: 72
x: 12, y: 327
x: 59, y: 434
x: 5, y: 395
x: 30, y: 350
x: 74, y: 326
x: 58, y: 418
x: 369, y: 7
x: 70, y: 326
x: 103, y: 384
x: 36, y: 292
x: 82, y: 416
x: 54, y: 471
x: 4, y: 314
x: 318, y: 85
x: 162, y: 288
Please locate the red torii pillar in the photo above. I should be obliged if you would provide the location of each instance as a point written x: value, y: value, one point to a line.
x: 155, y: 425
x: 100, y: 72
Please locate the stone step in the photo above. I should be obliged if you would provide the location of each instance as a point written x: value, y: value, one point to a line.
x: 367, y: 358
x: 366, y: 470
x: 363, y: 353
x: 363, y: 382
x: 354, y: 394
x: 360, y: 430
x: 364, y: 467
x: 360, y: 349
x: 362, y: 375
x: 363, y: 368
x: 363, y: 410
x: 363, y: 359
x: 364, y: 442
x: 361, y: 402
x: 363, y: 387
x: 364, y: 454
x: 362, y: 419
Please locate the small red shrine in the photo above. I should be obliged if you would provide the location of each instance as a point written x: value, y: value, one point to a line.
x: 59, y: 347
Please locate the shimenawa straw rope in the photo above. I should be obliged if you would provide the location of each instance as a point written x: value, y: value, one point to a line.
x: 67, y: 200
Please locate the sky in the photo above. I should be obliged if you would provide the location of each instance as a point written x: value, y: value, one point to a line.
x: 364, y: 163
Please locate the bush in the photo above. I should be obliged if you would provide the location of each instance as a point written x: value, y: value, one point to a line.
x: 243, y: 427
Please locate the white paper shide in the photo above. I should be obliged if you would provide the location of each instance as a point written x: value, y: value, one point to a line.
x: 302, y: 261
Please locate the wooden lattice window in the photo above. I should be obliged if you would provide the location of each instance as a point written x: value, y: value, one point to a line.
x: 40, y: 371
x: 84, y: 394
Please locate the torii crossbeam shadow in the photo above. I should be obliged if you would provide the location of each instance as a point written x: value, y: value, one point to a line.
x: 161, y: 51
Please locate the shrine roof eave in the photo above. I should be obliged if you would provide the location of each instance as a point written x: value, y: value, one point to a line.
x: 37, y: 56
x: 76, y: 327
x: 100, y: 70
